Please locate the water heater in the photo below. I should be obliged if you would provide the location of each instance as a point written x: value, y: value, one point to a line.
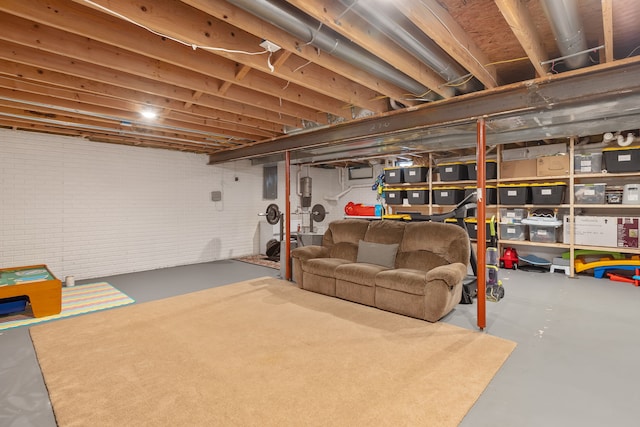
x: 305, y: 189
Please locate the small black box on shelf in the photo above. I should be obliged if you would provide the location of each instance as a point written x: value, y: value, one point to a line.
x: 491, y: 196
x: 418, y: 196
x: 472, y: 228
x: 514, y: 194
x: 548, y: 193
x: 454, y: 171
x: 491, y: 169
x: 393, y: 175
x: 416, y: 174
x: 448, y: 195
x: 622, y: 159
x: 394, y: 196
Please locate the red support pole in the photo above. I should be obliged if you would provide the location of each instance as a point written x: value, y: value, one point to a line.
x: 287, y: 216
x: 481, y: 218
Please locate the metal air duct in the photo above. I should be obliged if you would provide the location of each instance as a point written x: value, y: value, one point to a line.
x: 567, y: 29
x: 414, y: 42
x: 289, y: 19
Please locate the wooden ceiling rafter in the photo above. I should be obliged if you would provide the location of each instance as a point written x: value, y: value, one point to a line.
x: 124, y: 110
x: 71, y: 67
x: 435, y: 21
x: 607, y: 25
x: 25, y: 73
x: 220, y: 39
x: 97, y: 53
x: 519, y: 19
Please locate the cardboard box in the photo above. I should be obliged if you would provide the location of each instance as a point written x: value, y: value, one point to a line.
x: 627, y: 232
x: 518, y: 168
x: 552, y: 166
x: 592, y: 230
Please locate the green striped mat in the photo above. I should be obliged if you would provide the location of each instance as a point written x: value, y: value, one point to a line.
x: 76, y: 300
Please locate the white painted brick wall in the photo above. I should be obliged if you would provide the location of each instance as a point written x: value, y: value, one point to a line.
x: 90, y: 209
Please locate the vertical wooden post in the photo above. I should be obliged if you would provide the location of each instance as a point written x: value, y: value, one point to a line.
x: 287, y: 216
x: 481, y: 218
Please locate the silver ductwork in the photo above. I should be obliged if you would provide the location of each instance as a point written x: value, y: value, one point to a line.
x: 568, y: 31
x: 289, y: 19
x: 415, y: 42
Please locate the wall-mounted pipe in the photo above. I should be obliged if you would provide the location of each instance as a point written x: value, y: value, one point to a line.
x: 289, y: 19
x: 568, y: 31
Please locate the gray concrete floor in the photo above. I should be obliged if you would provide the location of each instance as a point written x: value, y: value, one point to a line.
x: 575, y: 363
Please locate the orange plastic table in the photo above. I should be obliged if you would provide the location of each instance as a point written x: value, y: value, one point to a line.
x: 35, y: 282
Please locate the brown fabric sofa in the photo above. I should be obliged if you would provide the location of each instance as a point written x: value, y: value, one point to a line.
x: 423, y: 278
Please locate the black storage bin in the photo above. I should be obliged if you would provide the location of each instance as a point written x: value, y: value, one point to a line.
x: 622, y: 159
x: 455, y: 171
x: 548, y: 193
x: 491, y: 168
x: 394, y: 196
x: 393, y: 175
x: 514, y: 194
x: 418, y: 196
x: 472, y: 228
x: 415, y: 174
x: 448, y: 195
x: 491, y: 196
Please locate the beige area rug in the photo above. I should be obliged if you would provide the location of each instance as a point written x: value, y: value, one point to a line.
x: 262, y: 353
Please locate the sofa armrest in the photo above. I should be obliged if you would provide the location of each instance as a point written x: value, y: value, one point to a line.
x: 451, y: 274
x: 304, y: 253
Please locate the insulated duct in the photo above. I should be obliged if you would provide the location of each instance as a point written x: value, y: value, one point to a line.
x: 567, y: 29
x: 415, y: 42
x: 289, y: 19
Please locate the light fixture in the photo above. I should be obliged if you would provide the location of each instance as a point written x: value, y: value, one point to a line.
x: 149, y: 114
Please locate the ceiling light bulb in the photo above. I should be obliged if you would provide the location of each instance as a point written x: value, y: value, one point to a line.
x: 149, y: 114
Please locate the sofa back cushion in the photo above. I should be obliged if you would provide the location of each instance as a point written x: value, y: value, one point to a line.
x: 385, y: 232
x: 342, y: 238
x: 430, y: 244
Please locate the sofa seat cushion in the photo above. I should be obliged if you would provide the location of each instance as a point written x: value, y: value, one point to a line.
x: 360, y: 273
x: 323, y: 266
x: 405, y: 280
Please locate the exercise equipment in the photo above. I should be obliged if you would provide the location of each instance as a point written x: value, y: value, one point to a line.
x: 494, y: 289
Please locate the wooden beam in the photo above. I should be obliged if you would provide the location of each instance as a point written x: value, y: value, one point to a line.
x: 81, y: 53
x: 196, y: 95
x: 126, y: 87
x: 520, y: 22
x: 49, y: 106
x: 607, y: 28
x: 196, y: 28
x: 436, y: 22
x: 172, y: 63
x: 360, y: 32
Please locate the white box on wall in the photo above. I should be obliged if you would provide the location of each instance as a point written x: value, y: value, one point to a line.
x: 592, y: 230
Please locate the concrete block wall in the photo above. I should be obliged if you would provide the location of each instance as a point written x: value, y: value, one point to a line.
x: 91, y: 209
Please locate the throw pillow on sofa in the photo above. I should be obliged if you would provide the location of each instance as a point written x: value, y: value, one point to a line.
x: 377, y: 253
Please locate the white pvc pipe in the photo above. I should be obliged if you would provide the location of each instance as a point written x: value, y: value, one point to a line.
x: 622, y: 142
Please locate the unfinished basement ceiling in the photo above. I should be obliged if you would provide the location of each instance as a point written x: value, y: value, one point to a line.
x: 248, y: 78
